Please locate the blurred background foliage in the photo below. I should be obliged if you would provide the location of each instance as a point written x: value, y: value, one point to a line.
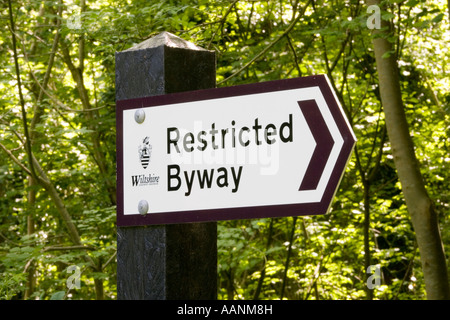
x: 65, y: 52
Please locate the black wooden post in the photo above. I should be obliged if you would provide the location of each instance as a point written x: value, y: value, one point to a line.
x: 168, y: 261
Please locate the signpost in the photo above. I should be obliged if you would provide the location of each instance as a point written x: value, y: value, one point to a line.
x: 269, y: 149
x: 161, y: 262
x: 189, y: 155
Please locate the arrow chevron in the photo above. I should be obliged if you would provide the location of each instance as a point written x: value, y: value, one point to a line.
x: 324, y: 144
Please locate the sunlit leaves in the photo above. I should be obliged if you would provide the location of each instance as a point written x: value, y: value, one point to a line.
x: 327, y: 252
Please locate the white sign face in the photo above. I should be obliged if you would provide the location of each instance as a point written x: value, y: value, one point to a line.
x: 187, y: 160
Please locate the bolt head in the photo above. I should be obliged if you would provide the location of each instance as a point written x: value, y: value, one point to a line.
x: 143, y: 207
x: 139, y: 116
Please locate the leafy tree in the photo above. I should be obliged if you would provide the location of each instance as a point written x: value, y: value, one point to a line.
x: 419, y: 204
x: 57, y: 141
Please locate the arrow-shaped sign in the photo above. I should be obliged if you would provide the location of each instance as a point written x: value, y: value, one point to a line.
x: 263, y: 150
x: 324, y: 140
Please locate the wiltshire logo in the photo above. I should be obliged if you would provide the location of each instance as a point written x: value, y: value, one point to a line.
x: 145, y: 152
x: 144, y: 180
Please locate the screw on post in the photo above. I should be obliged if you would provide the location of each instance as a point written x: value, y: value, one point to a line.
x: 139, y: 116
x: 143, y: 207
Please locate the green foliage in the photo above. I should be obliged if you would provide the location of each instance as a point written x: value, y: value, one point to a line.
x: 74, y: 142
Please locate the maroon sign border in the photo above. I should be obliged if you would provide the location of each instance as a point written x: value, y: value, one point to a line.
x: 235, y: 212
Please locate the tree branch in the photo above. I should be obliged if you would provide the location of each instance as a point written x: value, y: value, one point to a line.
x: 17, y: 161
x: 288, y: 257
x: 56, y: 101
x: 263, y: 272
x: 98, y: 155
x: 222, y: 21
x: 45, y: 182
x: 78, y: 247
x: 295, y: 55
x: 43, y: 86
x: 263, y: 52
x: 22, y: 101
x: 81, y: 42
x: 109, y: 260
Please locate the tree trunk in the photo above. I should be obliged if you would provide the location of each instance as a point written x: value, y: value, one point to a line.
x: 420, y: 207
x: 448, y: 9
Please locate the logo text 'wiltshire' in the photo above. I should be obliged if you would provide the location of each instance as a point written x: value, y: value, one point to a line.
x: 144, y: 180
